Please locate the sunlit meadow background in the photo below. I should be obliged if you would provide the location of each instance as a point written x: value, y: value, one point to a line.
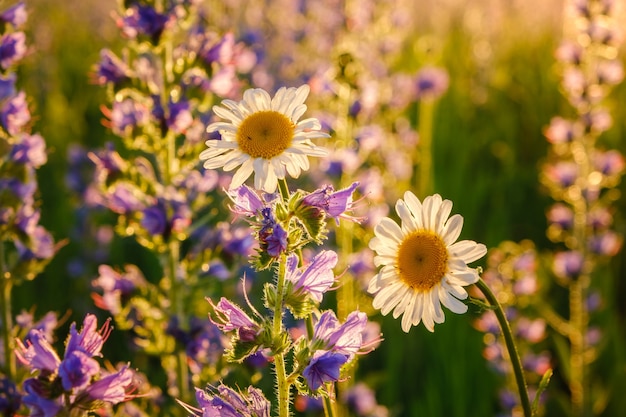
x: 487, y: 150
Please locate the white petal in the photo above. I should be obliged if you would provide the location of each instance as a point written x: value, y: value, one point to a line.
x: 237, y: 159
x: 468, y: 250
x: 385, y: 277
x: 438, y: 315
x: 468, y: 276
x: 415, y: 206
x: 452, y: 303
x: 308, y: 124
x: 392, y: 296
x: 227, y: 114
x: 242, y: 174
x: 387, y: 228
x: 452, y: 229
x: 408, y: 314
x: 279, y: 168
x: 401, y: 307
x: 442, y: 215
x: 429, y: 213
x: 408, y: 222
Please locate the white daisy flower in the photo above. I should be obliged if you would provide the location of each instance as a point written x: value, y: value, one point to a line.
x: 263, y: 135
x: 422, y: 266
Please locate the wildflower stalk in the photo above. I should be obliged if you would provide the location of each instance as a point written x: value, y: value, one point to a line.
x: 282, y: 385
x: 424, y: 183
x: 7, y: 318
x: 510, y: 345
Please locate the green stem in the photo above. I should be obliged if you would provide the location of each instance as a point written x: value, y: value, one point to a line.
x: 7, y: 318
x: 329, y: 405
x: 510, y: 345
x: 424, y: 183
x: 282, y: 385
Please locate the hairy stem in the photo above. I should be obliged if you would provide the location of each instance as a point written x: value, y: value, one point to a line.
x: 282, y: 385
x: 7, y: 318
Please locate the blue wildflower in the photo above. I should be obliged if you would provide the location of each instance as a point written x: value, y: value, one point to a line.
x: 325, y: 366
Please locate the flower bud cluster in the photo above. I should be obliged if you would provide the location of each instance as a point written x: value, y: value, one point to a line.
x: 76, y: 381
x: 21, y: 154
x: 512, y: 275
x: 580, y: 175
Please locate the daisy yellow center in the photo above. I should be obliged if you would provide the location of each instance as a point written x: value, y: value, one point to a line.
x: 422, y: 260
x: 265, y: 134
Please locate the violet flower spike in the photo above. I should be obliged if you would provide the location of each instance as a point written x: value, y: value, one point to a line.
x: 316, y: 278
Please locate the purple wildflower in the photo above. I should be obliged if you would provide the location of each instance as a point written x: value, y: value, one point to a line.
x: 568, y: 264
x: 431, y: 82
x: 10, y: 398
x: 325, y: 366
x: 111, y: 69
x: 12, y: 48
x: 562, y: 130
x: 89, y: 340
x: 77, y: 369
x: 40, y: 245
x: 143, y: 20
x: 7, y: 86
x: 31, y: 150
x: 247, y: 201
x: 14, y: 113
x: 112, y: 388
x: 272, y: 236
x: 179, y: 118
x: 36, y: 398
x: 346, y: 338
x: 126, y: 115
x: 360, y: 399
x: 314, y: 279
x: 39, y: 354
x: 116, y: 285
x: 335, y: 204
x: 226, y: 402
x: 231, y: 317
x: 15, y: 15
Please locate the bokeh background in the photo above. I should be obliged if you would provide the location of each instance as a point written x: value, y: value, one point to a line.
x: 488, y: 149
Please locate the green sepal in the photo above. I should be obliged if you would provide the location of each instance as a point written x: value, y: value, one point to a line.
x: 312, y: 219
x: 298, y: 304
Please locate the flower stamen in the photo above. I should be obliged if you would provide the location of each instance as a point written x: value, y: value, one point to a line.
x: 265, y: 134
x: 422, y: 260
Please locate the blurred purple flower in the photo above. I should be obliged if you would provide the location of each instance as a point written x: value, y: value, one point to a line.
x: 563, y: 173
x: 14, y: 113
x: 30, y: 149
x: 15, y: 15
x: 40, y: 245
x: 179, y: 118
x: 609, y: 163
x: 608, y: 243
x: 562, y: 130
x: 143, y: 20
x: 116, y: 285
x: 431, y: 83
x: 12, y: 48
x: 561, y: 215
x: 111, y: 69
x: 360, y: 399
x: 568, y: 264
x: 7, y: 86
x: 37, y: 401
x: 10, y: 398
x: 126, y: 114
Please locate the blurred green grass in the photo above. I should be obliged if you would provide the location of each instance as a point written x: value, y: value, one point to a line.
x: 487, y: 149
